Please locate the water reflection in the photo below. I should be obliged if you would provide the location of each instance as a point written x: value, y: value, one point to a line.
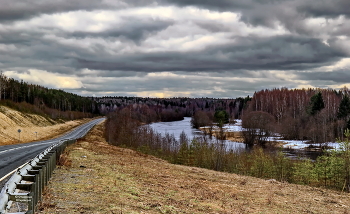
x: 177, y: 127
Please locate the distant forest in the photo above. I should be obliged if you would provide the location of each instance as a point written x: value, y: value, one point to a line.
x: 317, y: 115
x: 41, y: 100
x: 170, y: 109
x: 60, y: 104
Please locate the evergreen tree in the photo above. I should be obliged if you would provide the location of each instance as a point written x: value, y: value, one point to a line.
x: 344, y: 107
x: 221, y: 117
x: 316, y: 104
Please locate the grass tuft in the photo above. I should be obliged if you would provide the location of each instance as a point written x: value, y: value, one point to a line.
x: 64, y: 160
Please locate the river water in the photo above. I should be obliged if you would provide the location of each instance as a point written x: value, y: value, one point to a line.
x: 293, y: 149
x: 177, y: 127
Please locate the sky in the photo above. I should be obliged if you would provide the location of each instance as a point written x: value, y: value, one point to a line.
x: 176, y: 48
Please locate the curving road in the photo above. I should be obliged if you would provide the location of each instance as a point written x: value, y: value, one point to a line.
x: 13, y: 156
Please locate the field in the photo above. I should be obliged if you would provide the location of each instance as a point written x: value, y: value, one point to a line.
x: 99, y: 178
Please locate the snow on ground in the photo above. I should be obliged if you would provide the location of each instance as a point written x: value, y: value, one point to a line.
x: 177, y: 127
x: 237, y: 127
x: 334, y: 145
x: 300, y: 144
x: 293, y: 144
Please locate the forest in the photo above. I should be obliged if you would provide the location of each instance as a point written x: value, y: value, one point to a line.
x: 183, y: 105
x: 171, y: 109
x: 57, y: 104
x: 316, y: 115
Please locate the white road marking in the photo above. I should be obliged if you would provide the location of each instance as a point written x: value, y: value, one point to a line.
x: 24, y: 147
x: 3, y: 178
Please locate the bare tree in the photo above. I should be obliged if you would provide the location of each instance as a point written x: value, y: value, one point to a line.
x: 200, y: 119
x: 258, y: 125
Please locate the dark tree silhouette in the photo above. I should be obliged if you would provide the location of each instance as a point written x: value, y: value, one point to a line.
x: 344, y: 107
x: 316, y: 104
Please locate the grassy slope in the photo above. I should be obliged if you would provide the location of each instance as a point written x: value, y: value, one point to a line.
x: 107, y: 179
x: 12, y: 120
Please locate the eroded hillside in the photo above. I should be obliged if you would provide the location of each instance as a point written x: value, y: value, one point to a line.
x: 33, y: 127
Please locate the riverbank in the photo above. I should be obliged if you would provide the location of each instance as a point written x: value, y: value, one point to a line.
x: 100, y: 178
x: 234, y: 131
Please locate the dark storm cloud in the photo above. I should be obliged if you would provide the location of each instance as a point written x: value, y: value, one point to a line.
x: 255, y: 12
x: 212, y: 26
x: 337, y: 76
x: 135, y: 29
x: 11, y: 10
x: 290, y: 13
x: 201, y: 84
x: 328, y: 8
x: 280, y: 52
x: 331, y: 8
x: 221, y: 5
x: 17, y: 10
x: 14, y: 37
x: 128, y: 40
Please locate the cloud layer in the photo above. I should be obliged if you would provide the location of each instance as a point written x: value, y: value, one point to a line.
x: 176, y: 47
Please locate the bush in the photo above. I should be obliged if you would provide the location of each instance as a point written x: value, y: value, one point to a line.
x: 200, y: 119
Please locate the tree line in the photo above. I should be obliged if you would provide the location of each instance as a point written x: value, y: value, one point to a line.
x: 188, y: 106
x: 315, y: 115
x: 53, y: 102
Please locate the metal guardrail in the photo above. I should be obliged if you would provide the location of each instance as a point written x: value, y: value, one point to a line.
x: 27, y: 184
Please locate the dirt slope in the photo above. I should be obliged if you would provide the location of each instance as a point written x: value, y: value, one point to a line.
x: 99, y: 178
x: 33, y: 127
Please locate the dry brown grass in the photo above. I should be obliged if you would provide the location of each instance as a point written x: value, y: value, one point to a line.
x: 11, y: 121
x: 233, y: 136
x: 108, y: 179
x: 238, y: 137
x: 47, y: 203
x: 64, y: 160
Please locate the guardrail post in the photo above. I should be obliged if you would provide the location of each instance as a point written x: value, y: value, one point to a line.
x: 38, y: 171
x: 35, y: 188
x: 29, y: 188
x: 31, y: 205
x: 39, y: 182
x: 54, y: 162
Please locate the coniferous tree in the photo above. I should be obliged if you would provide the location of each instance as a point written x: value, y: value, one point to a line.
x: 221, y: 117
x: 344, y: 107
x: 316, y: 104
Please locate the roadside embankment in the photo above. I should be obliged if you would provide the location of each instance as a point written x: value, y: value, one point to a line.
x: 33, y: 127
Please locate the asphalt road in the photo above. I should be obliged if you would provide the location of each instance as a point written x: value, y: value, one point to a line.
x: 13, y: 156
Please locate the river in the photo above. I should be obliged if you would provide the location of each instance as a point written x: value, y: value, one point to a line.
x: 177, y: 127
x: 292, y: 149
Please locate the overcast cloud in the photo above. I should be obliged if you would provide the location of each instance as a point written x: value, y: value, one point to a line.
x: 166, y: 48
